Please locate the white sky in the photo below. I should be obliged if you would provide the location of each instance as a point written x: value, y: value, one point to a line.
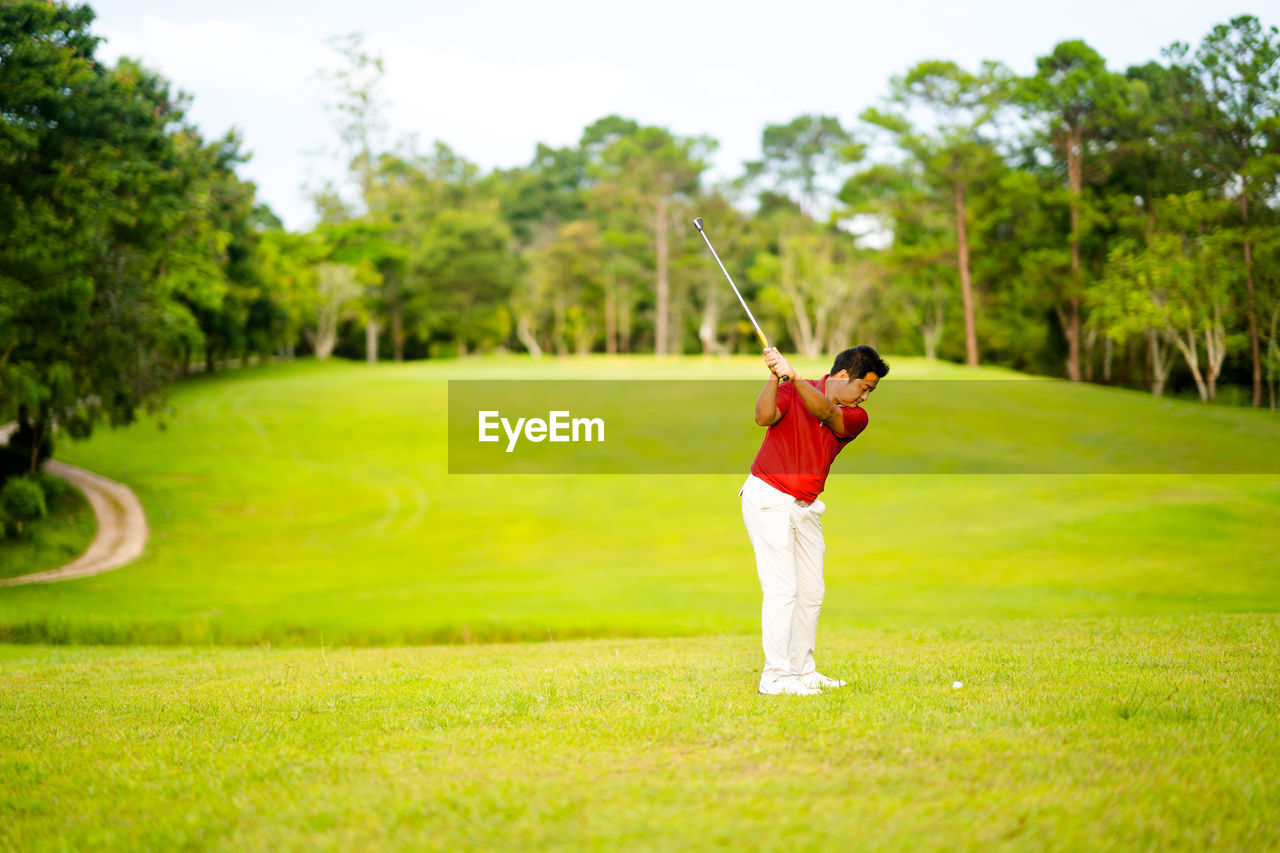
x: 492, y: 79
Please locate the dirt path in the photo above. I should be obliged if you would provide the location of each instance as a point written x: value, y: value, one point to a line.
x: 122, y: 527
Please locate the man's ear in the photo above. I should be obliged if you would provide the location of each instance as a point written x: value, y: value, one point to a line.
x: 842, y: 375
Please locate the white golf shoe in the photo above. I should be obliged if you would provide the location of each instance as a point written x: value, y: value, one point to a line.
x: 817, y: 680
x: 788, y: 685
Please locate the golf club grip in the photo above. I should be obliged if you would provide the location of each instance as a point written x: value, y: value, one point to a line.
x: 765, y: 341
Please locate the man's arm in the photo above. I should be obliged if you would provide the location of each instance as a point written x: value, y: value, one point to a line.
x: 814, y: 400
x: 819, y: 406
x: 767, y: 411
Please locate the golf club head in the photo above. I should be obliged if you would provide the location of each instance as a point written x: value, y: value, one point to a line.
x: 697, y: 223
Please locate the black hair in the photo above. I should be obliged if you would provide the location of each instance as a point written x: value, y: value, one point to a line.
x: 860, y: 361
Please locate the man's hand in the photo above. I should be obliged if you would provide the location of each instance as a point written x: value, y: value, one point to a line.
x: 779, y: 365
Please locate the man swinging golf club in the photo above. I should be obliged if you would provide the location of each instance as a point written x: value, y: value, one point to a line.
x: 808, y: 422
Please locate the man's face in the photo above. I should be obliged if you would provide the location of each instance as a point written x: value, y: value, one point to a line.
x: 847, y: 391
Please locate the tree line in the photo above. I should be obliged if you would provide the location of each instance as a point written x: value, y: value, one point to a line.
x: 1080, y: 221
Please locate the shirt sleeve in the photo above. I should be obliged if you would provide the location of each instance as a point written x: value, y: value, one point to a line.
x: 855, y: 421
x: 786, y: 393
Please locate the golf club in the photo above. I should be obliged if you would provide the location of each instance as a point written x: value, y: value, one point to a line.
x: 697, y: 223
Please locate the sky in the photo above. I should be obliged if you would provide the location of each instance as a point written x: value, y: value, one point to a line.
x: 493, y: 79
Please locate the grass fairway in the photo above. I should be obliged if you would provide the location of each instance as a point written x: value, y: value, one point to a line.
x: 309, y: 503
x: 1121, y: 733
x: 262, y: 681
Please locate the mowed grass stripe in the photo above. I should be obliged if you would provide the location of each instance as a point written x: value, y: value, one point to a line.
x: 1109, y: 733
x: 310, y: 503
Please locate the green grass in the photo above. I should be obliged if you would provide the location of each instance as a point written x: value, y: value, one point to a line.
x: 1118, y: 638
x: 309, y: 503
x: 1091, y: 734
x: 52, y: 541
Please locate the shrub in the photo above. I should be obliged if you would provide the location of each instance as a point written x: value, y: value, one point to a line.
x: 15, y: 457
x: 53, y: 487
x: 23, y: 501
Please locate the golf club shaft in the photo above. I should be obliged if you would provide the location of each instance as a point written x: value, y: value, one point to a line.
x: 763, y: 340
x: 750, y: 316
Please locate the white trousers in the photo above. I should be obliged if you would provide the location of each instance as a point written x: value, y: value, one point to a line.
x: 787, y: 537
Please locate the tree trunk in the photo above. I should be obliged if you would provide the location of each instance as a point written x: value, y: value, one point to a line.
x: 1069, y: 319
x: 371, y: 341
x: 397, y: 328
x: 1215, y: 347
x: 610, y: 313
x: 842, y: 333
x: 582, y: 341
x: 527, y: 337
x: 1160, y: 363
x: 624, y: 317
x: 37, y: 430
x: 559, y: 328
x: 966, y: 285
x: 1273, y: 357
x: 930, y: 329
x: 1090, y: 338
x: 798, y: 324
x: 710, y: 321
x: 1254, y: 350
x: 1190, y: 352
x: 676, y: 303
x: 1075, y: 183
x: 1127, y: 364
x: 661, y: 331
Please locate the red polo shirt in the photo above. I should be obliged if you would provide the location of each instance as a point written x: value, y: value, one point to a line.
x: 798, y: 450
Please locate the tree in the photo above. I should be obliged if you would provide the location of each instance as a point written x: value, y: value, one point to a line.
x: 1131, y: 301
x: 1074, y: 100
x: 628, y: 270
x: 955, y: 149
x: 1235, y: 131
x: 1148, y: 159
x: 469, y: 268
x: 538, y: 198
x: 655, y: 168
x: 109, y: 234
x: 221, y: 244
x: 287, y: 268
x: 1178, y: 287
x: 358, y: 108
x: 738, y: 240
x: 816, y: 288
x: 569, y: 272
x: 410, y: 189
x: 921, y: 258
x: 800, y: 155
x: 338, y: 289
x: 1267, y: 269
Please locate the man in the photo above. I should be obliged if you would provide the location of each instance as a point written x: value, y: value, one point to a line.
x: 809, y: 422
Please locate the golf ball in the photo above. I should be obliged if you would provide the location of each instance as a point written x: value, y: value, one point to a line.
x: 956, y: 685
